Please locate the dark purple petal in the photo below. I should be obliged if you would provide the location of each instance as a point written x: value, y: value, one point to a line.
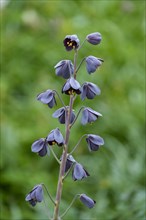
x: 43, y: 151
x: 87, y: 201
x: 52, y: 102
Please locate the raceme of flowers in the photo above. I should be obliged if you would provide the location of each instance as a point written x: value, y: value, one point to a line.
x: 67, y: 116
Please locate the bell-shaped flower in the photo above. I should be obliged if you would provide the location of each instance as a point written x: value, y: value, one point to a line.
x: 47, y: 97
x: 89, y: 90
x: 64, y: 68
x: 55, y: 137
x: 61, y: 115
x: 93, y: 63
x: 89, y: 115
x: 71, y: 87
x: 71, y: 42
x: 87, y: 201
x: 94, y: 38
x: 69, y: 162
x: 35, y: 195
x: 40, y: 147
x: 79, y: 172
x: 94, y: 142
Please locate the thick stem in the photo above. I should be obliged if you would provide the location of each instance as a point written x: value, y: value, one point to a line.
x: 63, y: 163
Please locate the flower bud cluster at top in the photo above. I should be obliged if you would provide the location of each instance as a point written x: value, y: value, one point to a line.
x: 66, y: 115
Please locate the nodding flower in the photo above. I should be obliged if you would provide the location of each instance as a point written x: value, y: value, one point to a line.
x: 89, y: 115
x: 94, y: 38
x: 35, y: 195
x: 71, y: 87
x: 87, y: 201
x: 71, y: 42
x: 47, y: 97
x: 55, y: 137
x: 89, y: 90
x: 64, y: 68
x: 93, y: 63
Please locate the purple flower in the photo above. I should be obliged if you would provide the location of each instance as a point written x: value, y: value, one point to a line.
x: 93, y: 63
x: 89, y: 90
x: 94, y: 142
x: 94, y: 38
x: 69, y: 162
x: 64, y: 68
x: 71, y: 86
x: 40, y: 147
x: 35, y: 195
x: 71, y: 42
x: 87, y: 201
x: 55, y: 137
x: 61, y: 114
x: 89, y: 115
x: 47, y: 97
x: 79, y: 172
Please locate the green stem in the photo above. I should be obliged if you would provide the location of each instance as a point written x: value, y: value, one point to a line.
x: 54, y: 154
x: 82, y: 44
x: 48, y: 193
x: 76, y: 116
x: 68, y: 172
x: 75, y: 197
x: 60, y: 98
x: 77, y: 144
x: 75, y: 63
x: 80, y: 64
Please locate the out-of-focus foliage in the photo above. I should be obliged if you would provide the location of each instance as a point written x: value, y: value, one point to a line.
x: 32, y: 35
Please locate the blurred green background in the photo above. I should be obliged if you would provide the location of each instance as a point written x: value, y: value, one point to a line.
x: 31, y: 39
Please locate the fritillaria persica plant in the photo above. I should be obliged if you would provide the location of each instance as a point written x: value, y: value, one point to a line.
x: 66, y: 115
